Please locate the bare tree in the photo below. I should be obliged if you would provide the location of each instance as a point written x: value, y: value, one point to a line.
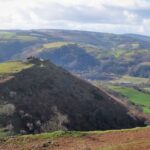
x: 56, y: 122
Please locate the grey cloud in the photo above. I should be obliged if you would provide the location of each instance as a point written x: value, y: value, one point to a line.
x: 108, y: 18
x: 82, y: 14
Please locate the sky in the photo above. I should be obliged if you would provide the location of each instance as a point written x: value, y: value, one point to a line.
x: 113, y: 16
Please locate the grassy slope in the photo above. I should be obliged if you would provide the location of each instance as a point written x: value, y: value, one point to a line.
x: 47, y: 47
x: 135, y: 139
x: 3, y: 133
x: 12, y: 35
x: 13, y: 67
x: 55, y: 44
x: 147, y: 89
x: 134, y: 96
x: 6, y: 35
x: 26, y: 38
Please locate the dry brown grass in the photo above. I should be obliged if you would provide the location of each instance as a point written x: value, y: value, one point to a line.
x: 137, y: 139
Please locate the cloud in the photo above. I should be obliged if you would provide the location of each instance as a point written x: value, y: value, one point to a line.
x: 117, y: 16
x: 129, y: 4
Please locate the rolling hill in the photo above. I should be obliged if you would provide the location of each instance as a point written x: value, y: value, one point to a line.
x: 89, y: 54
x: 122, y: 60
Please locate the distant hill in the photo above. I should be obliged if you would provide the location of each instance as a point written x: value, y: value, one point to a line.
x: 38, y: 96
x: 92, y: 55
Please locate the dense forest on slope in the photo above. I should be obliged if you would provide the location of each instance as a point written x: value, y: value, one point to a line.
x: 38, y: 96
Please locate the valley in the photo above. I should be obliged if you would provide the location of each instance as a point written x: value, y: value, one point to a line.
x: 71, y: 86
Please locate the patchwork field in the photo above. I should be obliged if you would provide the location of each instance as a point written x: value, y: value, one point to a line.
x: 133, y: 139
x: 134, y: 96
x: 131, y: 79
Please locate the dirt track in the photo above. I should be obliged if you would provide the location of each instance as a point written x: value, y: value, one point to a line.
x: 127, y: 140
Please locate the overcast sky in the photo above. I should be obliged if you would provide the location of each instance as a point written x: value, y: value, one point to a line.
x: 116, y: 16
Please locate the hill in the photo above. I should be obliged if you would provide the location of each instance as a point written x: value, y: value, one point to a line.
x: 135, y: 139
x: 37, y: 96
x: 91, y: 55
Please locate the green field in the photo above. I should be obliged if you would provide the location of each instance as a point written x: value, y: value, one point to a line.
x: 55, y: 44
x: 26, y: 38
x: 131, y: 79
x: 6, y: 35
x: 13, y: 67
x: 147, y: 89
x: 134, y: 96
x: 3, y: 133
x: 52, y: 45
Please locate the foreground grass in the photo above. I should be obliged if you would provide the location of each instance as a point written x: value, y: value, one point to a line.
x: 3, y: 133
x: 141, y: 144
x: 78, y: 138
x: 13, y: 67
x: 57, y: 134
x: 134, y: 96
x: 129, y: 139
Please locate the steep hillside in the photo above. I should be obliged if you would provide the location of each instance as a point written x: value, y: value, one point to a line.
x: 38, y: 96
